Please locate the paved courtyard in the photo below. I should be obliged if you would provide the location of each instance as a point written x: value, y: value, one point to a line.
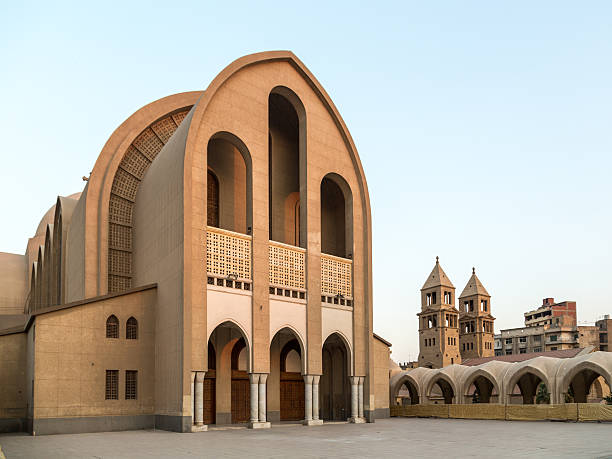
x: 398, y: 437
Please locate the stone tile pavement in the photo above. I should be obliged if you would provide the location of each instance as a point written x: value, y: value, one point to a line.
x: 397, y: 437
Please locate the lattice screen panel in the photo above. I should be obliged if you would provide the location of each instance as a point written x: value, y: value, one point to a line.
x: 132, y: 169
x: 287, y: 267
x: 228, y: 253
x: 336, y: 276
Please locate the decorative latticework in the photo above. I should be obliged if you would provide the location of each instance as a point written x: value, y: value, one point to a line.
x: 287, y: 266
x: 228, y: 253
x: 131, y: 171
x: 336, y: 276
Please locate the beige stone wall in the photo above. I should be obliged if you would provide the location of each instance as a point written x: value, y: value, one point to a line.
x: 72, y: 355
x: 382, y: 354
x: 13, y: 397
x: 13, y: 283
x: 158, y: 257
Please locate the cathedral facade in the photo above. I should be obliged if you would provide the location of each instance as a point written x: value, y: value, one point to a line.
x: 216, y: 268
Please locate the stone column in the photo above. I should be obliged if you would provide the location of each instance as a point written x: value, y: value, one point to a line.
x: 354, y: 399
x: 315, y: 397
x: 262, y: 397
x: 307, y: 398
x: 197, y: 390
x: 199, y: 398
x: 360, y: 393
x: 254, y: 380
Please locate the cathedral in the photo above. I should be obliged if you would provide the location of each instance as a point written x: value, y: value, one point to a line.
x: 215, y: 269
x: 448, y: 335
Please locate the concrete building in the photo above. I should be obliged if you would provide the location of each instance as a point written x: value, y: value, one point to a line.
x: 476, y: 324
x: 551, y: 327
x: 216, y: 268
x: 438, y: 321
x: 604, y: 326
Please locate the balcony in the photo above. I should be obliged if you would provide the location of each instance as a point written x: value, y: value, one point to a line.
x: 336, y: 280
x: 228, y: 258
x: 287, y: 270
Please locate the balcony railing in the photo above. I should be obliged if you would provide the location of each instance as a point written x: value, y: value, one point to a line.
x: 228, y: 258
x: 336, y: 280
x: 287, y: 270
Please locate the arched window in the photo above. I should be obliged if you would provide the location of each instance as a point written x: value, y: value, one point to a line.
x: 112, y: 327
x: 131, y: 329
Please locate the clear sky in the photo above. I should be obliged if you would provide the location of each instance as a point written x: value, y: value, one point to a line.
x: 484, y: 127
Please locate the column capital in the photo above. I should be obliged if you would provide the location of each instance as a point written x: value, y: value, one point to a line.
x: 308, y: 379
x: 263, y: 377
x: 316, y: 379
x: 254, y: 378
x: 199, y: 376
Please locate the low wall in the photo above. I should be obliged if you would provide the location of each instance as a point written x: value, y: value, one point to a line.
x: 561, y: 412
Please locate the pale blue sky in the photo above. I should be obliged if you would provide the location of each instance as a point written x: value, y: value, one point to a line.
x: 483, y: 127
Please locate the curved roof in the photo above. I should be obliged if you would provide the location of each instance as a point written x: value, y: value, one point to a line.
x: 50, y: 215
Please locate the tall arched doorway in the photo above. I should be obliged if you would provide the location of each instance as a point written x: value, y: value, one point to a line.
x: 286, y: 383
x: 334, y: 386
x: 228, y: 349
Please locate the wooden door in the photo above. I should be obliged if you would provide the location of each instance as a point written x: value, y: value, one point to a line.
x: 210, y: 400
x: 240, y: 400
x: 292, y: 397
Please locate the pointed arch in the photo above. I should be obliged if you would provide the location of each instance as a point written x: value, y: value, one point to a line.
x: 112, y: 326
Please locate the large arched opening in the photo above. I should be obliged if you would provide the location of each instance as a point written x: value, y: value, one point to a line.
x: 285, y: 384
x: 407, y: 393
x: 227, y: 379
x: 481, y: 388
x: 229, y: 184
x: 334, y: 386
x: 529, y: 387
x: 336, y: 217
x: 286, y: 166
x: 441, y: 391
x: 586, y: 384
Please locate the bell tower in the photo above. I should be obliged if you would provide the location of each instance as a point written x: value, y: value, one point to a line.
x: 438, y: 321
x: 475, y: 320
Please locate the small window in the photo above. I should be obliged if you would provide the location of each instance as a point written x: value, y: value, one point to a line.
x: 112, y: 327
x: 131, y: 384
x: 112, y: 385
x: 131, y: 329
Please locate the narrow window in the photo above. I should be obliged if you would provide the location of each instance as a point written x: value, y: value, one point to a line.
x: 131, y: 384
x: 212, y: 207
x: 433, y: 298
x: 429, y: 299
x: 112, y: 327
x: 471, y: 305
x: 112, y: 385
x: 131, y: 329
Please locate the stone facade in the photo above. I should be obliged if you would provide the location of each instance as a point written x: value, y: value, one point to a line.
x: 234, y: 227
